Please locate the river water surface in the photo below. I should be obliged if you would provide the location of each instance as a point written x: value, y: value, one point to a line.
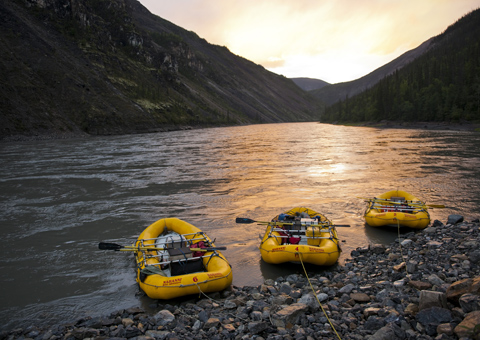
x: 60, y: 198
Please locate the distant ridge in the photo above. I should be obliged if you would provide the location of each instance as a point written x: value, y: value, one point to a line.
x: 440, y: 84
x: 339, y: 91
x: 309, y: 84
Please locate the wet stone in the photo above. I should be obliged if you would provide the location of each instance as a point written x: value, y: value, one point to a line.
x: 454, y: 219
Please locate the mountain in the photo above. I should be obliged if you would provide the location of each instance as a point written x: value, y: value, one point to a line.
x: 339, y: 91
x: 440, y: 85
x: 90, y: 67
x: 309, y: 84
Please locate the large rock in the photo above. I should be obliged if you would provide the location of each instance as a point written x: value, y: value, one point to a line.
x: 454, y: 219
x: 257, y: 327
x: 212, y: 322
x: 468, y: 326
x: 389, y: 332
x: 289, y: 316
x: 445, y: 328
x: 474, y: 256
x: 435, y: 280
x: 346, y: 289
x: 432, y: 317
x: 82, y: 333
x: 469, y: 302
x: 430, y: 299
x: 420, y: 285
x: 377, y: 248
x: 309, y: 300
x: 411, y: 309
x: 374, y: 323
x: 360, y: 297
x: 457, y: 289
x: 164, y: 317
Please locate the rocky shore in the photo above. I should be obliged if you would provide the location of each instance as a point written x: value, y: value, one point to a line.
x: 460, y: 126
x: 424, y: 286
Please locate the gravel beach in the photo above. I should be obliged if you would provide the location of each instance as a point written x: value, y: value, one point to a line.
x: 424, y: 286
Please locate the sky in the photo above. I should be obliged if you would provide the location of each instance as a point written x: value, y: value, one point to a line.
x: 331, y: 40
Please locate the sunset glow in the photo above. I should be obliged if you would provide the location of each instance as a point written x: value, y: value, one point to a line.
x: 332, y: 40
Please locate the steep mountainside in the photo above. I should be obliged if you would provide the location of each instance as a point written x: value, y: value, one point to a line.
x: 441, y: 85
x: 335, y: 92
x: 73, y: 67
x: 309, y: 84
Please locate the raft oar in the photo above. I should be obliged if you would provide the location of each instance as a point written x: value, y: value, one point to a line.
x: 118, y: 247
x: 245, y: 220
x: 376, y: 200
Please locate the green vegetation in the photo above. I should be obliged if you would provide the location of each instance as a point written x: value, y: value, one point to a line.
x: 441, y: 85
x: 164, y: 39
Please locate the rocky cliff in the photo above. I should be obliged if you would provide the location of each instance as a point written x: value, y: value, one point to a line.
x: 95, y: 67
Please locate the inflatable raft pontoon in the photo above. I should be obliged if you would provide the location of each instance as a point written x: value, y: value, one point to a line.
x: 397, y: 208
x: 183, y: 261
x: 300, y: 235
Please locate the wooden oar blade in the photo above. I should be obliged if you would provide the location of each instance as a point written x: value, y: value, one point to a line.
x: 109, y: 246
x: 244, y: 220
x: 342, y: 225
x: 441, y: 206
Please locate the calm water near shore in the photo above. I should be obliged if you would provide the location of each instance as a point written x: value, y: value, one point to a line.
x: 61, y: 197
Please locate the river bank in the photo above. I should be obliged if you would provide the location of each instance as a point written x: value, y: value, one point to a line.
x: 386, y: 124
x: 56, y: 135
x: 426, y: 285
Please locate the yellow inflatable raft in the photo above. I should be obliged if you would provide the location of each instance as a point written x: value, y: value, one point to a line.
x: 300, y: 235
x: 397, y: 208
x: 183, y: 261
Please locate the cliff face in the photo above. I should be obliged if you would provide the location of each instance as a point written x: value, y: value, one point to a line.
x: 77, y: 67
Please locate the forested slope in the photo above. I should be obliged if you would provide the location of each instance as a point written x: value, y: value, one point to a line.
x: 443, y: 84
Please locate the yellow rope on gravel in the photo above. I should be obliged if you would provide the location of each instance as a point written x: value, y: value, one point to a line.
x: 400, y: 245
x: 313, y: 290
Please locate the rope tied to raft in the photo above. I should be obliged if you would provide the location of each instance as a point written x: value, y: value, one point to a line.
x: 319, y: 303
x: 401, y: 250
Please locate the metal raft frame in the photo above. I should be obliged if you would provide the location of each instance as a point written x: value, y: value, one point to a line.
x: 393, y: 205
x: 177, y: 241
x: 324, y: 227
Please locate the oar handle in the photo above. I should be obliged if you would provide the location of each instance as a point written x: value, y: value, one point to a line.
x: 109, y: 246
x: 119, y: 247
x: 244, y: 220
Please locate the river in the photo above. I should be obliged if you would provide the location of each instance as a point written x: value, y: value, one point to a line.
x: 60, y: 198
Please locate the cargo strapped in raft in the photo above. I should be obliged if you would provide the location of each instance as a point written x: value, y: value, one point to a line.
x: 175, y: 258
x: 300, y: 232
